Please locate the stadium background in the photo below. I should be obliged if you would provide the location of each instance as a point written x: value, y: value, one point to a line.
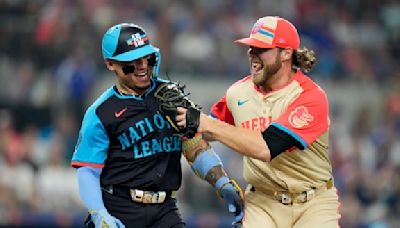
x: 51, y: 69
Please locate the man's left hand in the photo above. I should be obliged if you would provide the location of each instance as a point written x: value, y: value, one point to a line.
x: 233, y: 196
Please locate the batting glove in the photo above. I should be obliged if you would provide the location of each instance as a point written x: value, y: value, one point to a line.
x: 102, y: 219
x: 233, y: 196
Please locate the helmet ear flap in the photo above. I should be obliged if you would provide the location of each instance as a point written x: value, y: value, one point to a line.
x: 152, y: 60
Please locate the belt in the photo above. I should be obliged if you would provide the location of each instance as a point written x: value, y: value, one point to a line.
x: 289, y: 198
x: 148, y: 197
x: 142, y: 196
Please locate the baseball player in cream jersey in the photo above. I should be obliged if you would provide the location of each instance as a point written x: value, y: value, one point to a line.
x: 281, y: 126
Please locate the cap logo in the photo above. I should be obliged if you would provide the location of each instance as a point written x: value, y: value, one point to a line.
x: 137, y: 40
x: 300, y: 117
x: 256, y: 27
x: 269, y: 32
x: 259, y: 27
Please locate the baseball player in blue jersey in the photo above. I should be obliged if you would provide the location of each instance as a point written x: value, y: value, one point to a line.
x: 128, y: 155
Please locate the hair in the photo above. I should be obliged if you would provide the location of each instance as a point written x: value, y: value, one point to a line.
x: 304, y: 59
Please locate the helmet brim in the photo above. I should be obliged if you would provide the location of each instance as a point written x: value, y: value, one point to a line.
x: 135, y: 54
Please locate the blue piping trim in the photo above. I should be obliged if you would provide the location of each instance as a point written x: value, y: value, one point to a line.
x: 153, y: 85
x: 120, y: 96
x: 294, y: 135
x: 266, y: 33
x: 213, y: 116
x: 157, y: 67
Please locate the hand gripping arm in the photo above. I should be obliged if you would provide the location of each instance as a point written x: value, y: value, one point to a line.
x: 208, y: 166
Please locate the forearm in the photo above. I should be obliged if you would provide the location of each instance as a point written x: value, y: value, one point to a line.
x: 89, y: 187
x: 204, y: 161
x: 207, y: 165
x: 245, y: 141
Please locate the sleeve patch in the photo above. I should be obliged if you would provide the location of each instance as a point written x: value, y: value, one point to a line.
x: 300, y: 117
x: 307, y: 116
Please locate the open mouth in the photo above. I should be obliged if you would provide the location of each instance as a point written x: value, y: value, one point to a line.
x: 256, y: 67
x: 142, y: 74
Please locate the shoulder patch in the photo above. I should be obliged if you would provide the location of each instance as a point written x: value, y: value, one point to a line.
x: 300, y: 117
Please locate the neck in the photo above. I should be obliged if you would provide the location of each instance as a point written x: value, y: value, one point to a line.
x: 278, y: 80
x: 123, y: 89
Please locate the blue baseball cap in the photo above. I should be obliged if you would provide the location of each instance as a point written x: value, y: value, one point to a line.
x: 126, y: 42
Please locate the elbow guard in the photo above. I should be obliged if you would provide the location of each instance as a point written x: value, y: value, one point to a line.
x: 206, y: 161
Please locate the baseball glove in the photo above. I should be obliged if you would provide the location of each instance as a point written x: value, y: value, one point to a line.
x: 171, y: 95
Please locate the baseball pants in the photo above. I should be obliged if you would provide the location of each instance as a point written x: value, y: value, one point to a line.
x: 138, y: 215
x: 262, y: 210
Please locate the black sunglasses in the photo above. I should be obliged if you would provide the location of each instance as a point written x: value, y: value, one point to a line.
x: 128, y: 68
x: 257, y: 51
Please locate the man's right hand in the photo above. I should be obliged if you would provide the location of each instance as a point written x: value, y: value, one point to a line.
x: 192, y: 117
x: 102, y: 219
x: 203, y: 122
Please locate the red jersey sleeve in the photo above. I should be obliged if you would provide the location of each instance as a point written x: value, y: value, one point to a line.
x: 221, y: 111
x: 306, y: 118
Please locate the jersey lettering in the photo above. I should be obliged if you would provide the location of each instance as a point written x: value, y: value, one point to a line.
x: 134, y: 135
x: 125, y: 148
x: 151, y: 147
x: 147, y: 148
x: 258, y: 123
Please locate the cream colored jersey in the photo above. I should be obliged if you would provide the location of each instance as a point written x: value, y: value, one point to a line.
x: 300, y: 109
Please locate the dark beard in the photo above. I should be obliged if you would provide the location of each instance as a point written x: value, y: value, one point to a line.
x: 269, y: 71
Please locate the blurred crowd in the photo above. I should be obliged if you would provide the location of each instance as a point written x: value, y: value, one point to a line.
x: 51, y: 68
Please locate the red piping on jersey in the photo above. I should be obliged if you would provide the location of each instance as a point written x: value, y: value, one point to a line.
x: 295, y: 77
x: 79, y: 164
x: 221, y: 111
x: 242, y: 80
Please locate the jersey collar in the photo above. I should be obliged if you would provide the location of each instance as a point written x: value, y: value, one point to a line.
x: 296, y: 75
x: 125, y: 96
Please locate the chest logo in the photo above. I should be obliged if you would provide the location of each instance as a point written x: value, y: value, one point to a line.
x: 242, y: 102
x: 118, y: 114
x: 300, y: 117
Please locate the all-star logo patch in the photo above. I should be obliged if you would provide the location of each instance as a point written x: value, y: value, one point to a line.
x: 131, y: 38
x: 137, y: 40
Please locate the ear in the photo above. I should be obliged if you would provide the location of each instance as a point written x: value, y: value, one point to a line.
x: 286, y: 54
x: 109, y: 64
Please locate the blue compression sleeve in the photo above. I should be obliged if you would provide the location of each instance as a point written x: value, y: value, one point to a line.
x: 207, y: 160
x: 221, y: 181
x: 89, y: 187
